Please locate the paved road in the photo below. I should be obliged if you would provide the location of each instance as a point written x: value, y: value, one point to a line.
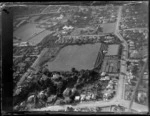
x: 85, y: 35
x: 142, y: 29
x: 122, y: 102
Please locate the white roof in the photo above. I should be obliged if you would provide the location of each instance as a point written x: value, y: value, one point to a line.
x: 103, y: 73
x: 55, y: 76
x: 77, y: 97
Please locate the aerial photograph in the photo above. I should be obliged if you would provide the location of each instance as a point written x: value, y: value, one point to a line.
x: 81, y: 58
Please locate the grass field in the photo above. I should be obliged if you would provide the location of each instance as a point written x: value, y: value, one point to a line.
x: 80, y: 57
x: 26, y: 31
x: 108, y: 27
x: 37, y: 39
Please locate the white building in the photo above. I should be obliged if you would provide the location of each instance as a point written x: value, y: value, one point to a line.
x: 77, y: 98
x: 15, y: 44
x: 67, y: 27
x: 82, y: 97
x: 23, y: 44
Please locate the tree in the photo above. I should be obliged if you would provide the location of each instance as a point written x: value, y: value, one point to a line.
x: 51, y: 99
x: 135, y: 70
x: 73, y: 70
x: 67, y: 100
x: 59, y: 102
x: 59, y: 89
x: 128, y: 63
x: 45, y: 71
x: 67, y: 92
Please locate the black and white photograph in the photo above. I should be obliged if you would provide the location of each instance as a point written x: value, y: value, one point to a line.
x: 81, y: 57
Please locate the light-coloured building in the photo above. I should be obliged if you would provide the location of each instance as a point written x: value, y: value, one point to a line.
x: 77, y: 98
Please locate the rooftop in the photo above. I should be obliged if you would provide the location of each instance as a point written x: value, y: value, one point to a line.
x: 113, y: 49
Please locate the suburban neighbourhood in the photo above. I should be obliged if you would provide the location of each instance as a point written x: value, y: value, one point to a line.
x: 81, y: 58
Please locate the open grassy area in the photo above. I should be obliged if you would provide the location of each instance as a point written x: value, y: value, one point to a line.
x: 38, y: 38
x: 26, y: 31
x: 80, y: 57
x: 108, y: 27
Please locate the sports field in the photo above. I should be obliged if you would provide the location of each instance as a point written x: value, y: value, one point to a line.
x: 80, y: 57
x: 27, y: 31
x: 38, y: 38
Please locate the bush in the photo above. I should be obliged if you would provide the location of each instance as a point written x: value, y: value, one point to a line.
x: 59, y: 102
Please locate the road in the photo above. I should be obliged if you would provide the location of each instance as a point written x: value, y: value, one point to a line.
x: 34, y: 66
x: 85, y: 35
x: 140, y: 29
x: 122, y: 102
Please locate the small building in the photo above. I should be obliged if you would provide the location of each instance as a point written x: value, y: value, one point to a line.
x: 15, y: 44
x: 67, y: 27
x: 93, y: 97
x: 109, y: 86
x: 103, y: 73
x: 107, y: 78
x: 77, y: 98
x: 82, y: 97
x: 23, y: 44
x: 88, y: 97
x: 145, y: 76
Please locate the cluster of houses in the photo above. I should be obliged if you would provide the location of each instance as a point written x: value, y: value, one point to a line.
x: 111, y: 87
x: 84, y: 97
x: 108, y: 93
x: 78, y: 39
x: 129, y: 76
x: 21, y: 44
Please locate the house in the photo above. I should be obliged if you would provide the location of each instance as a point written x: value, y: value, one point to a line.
x: 93, y: 97
x: 29, y: 77
x: 77, y: 98
x: 67, y: 27
x: 145, y: 76
x: 88, y: 97
x: 23, y: 44
x: 15, y: 44
x: 60, y: 17
x: 107, y: 78
x: 103, y: 73
x: 82, y: 97
x: 107, y: 94
x: 111, y: 82
x: 109, y: 86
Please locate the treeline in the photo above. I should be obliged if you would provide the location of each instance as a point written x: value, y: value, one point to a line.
x: 59, y: 87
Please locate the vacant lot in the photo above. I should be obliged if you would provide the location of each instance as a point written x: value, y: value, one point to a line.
x: 108, y: 27
x: 26, y: 31
x: 80, y: 57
